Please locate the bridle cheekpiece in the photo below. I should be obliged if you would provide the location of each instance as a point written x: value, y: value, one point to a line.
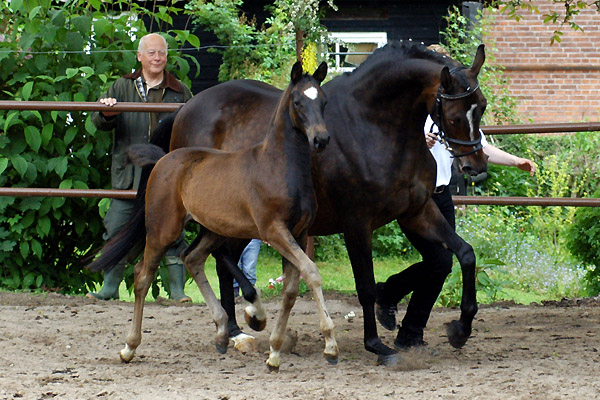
x: 443, y: 138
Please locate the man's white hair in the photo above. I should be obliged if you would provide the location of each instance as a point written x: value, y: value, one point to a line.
x: 143, y: 40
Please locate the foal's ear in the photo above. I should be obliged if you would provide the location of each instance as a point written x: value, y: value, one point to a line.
x: 479, y: 59
x: 296, y: 72
x: 321, y: 72
x: 446, y: 79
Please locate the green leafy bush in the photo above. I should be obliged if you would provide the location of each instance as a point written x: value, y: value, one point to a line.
x: 584, y: 242
x: 67, y: 51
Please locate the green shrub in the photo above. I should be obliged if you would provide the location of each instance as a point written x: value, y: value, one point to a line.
x: 66, y: 51
x: 584, y: 242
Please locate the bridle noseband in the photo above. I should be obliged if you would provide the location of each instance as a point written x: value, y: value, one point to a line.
x: 443, y: 138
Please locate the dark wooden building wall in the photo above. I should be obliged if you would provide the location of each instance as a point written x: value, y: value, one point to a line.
x: 418, y: 20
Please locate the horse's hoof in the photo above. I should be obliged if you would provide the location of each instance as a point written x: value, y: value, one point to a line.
x: 220, y: 347
x: 255, y: 323
x: 388, y: 360
x: 331, y: 358
x: 244, y: 343
x: 456, y: 334
x: 272, y: 368
x: 126, y: 354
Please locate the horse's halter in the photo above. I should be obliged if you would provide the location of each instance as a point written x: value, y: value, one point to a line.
x: 443, y: 138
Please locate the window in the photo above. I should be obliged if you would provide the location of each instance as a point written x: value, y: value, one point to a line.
x: 352, y: 48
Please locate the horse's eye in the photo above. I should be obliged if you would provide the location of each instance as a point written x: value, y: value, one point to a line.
x: 451, y: 122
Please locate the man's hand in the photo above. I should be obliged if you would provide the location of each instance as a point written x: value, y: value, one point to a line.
x: 109, y: 101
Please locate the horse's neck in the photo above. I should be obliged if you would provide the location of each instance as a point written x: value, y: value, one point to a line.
x: 283, y: 141
x: 395, y: 96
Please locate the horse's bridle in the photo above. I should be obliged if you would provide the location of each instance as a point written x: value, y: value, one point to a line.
x: 443, y: 138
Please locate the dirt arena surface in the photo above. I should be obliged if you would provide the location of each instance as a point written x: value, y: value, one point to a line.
x: 62, y: 347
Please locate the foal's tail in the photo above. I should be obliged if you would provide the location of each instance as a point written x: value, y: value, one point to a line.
x: 129, y: 242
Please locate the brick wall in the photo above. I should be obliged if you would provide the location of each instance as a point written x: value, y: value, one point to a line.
x: 558, y: 83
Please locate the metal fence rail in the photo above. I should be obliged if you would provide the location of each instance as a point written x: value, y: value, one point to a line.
x: 169, y: 107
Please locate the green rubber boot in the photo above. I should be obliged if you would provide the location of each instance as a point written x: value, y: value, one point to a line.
x: 177, y: 280
x: 112, y: 281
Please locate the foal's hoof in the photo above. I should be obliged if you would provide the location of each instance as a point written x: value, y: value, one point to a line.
x: 221, y: 345
x: 126, y: 354
x: 388, y: 360
x: 456, y: 334
x: 255, y: 323
x: 331, y: 359
x: 272, y: 368
x: 244, y: 343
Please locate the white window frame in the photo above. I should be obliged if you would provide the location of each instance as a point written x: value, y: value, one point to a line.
x: 380, y: 38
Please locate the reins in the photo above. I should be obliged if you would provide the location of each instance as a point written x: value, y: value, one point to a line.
x: 443, y: 138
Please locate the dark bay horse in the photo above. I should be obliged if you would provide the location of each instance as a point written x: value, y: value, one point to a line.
x: 261, y: 191
x: 379, y: 168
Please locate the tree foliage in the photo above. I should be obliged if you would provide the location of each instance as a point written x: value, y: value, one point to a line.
x: 249, y: 51
x: 67, y: 51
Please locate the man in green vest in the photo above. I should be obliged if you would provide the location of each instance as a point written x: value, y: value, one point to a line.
x: 149, y: 84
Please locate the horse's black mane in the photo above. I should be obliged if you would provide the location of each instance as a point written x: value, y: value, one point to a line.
x: 400, y: 50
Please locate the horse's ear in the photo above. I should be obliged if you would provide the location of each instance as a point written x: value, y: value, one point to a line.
x: 321, y: 72
x: 296, y: 72
x: 479, y: 59
x: 446, y: 79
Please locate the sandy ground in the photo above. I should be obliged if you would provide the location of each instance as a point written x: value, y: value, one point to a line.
x: 55, y: 346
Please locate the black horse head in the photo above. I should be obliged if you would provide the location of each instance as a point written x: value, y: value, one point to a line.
x: 459, y: 107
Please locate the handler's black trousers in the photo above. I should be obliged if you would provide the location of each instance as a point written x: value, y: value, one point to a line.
x: 426, y: 278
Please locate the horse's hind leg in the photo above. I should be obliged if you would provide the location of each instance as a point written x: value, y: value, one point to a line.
x: 283, y: 241
x: 145, y: 271
x: 194, y: 260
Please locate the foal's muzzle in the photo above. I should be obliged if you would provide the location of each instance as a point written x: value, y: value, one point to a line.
x: 320, y: 142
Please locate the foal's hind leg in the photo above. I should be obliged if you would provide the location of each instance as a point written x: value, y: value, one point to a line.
x: 283, y: 241
x: 194, y: 261
x: 145, y: 271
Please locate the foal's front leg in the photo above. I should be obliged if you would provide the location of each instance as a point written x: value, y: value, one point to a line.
x: 283, y: 241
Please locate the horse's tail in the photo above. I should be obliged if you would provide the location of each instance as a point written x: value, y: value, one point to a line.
x: 145, y: 156
x: 129, y: 242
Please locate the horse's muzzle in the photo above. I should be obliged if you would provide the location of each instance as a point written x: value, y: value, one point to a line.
x: 320, y: 142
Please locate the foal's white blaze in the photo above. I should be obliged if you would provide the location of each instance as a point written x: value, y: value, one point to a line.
x: 470, y: 119
x: 311, y: 93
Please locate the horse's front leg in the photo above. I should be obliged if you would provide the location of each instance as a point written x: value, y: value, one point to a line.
x: 432, y: 226
x: 144, y: 273
x: 459, y: 331
x: 359, y: 245
x: 283, y: 241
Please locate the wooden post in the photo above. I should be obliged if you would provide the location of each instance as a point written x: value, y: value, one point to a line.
x: 299, y: 44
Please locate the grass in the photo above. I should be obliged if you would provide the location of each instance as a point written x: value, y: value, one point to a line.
x: 337, y: 276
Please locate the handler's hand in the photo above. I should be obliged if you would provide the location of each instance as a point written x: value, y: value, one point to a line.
x: 430, y: 139
x: 109, y: 101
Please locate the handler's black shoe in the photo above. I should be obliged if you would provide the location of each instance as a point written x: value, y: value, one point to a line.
x: 407, y: 339
x: 386, y: 313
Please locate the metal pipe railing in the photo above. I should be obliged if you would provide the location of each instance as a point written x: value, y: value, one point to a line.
x: 169, y: 107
